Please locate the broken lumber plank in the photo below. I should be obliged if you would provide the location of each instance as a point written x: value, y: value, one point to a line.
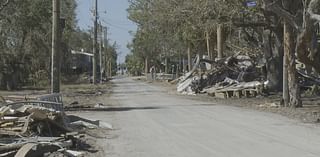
x: 11, y: 147
x: 229, y: 94
x: 24, y: 150
x: 73, y: 153
x: 237, y: 93
x: 250, y: 92
x: 222, y: 95
x: 37, y: 149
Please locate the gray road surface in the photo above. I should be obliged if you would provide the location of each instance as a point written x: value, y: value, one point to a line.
x: 149, y: 122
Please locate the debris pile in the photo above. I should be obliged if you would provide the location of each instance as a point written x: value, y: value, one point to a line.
x: 38, y: 128
x: 235, y: 76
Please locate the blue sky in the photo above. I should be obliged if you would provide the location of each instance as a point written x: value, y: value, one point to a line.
x: 113, y: 14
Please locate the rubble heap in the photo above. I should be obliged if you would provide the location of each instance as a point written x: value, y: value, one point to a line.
x: 234, y: 76
x: 37, y: 128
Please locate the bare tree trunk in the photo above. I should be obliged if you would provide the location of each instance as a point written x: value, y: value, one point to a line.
x: 289, y: 50
x: 180, y: 64
x: 184, y: 66
x: 146, y: 65
x: 208, y: 45
x: 213, y: 46
x: 166, y: 70
x: 285, y: 89
x: 107, y: 69
x: 273, y: 53
x: 189, y: 58
x: 220, y: 41
x: 110, y: 68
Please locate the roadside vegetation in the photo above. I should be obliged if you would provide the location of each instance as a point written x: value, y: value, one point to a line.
x: 25, y: 43
x: 279, y: 33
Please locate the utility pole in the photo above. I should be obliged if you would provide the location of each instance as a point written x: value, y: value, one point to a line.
x: 110, y: 66
x: 108, y: 57
x: 100, y: 52
x: 220, y: 40
x: 105, y: 46
x: 95, y: 33
x: 55, y: 62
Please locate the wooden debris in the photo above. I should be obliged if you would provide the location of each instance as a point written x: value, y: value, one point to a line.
x: 230, y: 77
x: 37, y: 127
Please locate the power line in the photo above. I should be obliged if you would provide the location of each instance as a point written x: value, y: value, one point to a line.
x: 119, y: 22
x: 115, y: 26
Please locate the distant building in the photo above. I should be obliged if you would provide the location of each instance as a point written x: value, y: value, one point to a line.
x: 81, y: 63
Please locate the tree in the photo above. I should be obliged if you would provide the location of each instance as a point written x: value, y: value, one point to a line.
x: 25, y: 41
x: 181, y: 26
x: 299, y: 18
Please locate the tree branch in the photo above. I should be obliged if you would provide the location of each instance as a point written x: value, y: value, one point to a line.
x: 313, y: 5
x: 2, y: 6
x: 274, y: 7
x: 252, y: 24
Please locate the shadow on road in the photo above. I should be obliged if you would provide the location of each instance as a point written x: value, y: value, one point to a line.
x: 113, y: 109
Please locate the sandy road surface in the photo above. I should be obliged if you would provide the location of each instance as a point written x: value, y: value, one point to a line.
x: 149, y: 122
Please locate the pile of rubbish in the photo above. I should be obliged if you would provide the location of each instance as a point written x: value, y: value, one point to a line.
x: 235, y: 76
x: 38, y: 127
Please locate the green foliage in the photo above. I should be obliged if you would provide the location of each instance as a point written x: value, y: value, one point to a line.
x: 134, y: 65
x: 25, y: 41
x: 113, y: 56
x: 167, y: 27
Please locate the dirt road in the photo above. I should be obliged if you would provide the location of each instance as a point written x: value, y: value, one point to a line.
x: 148, y: 122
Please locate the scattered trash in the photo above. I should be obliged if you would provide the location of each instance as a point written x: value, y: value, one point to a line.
x: 99, y: 105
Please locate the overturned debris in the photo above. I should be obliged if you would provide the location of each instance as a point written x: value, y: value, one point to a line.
x: 235, y: 76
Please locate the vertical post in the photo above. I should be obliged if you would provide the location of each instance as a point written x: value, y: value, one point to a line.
x: 179, y: 63
x: 285, y: 88
x: 55, y: 71
x: 220, y: 41
x: 239, y: 36
x: 146, y: 66
x: 100, y: 52
x: 208, y: 44
x: 104, y: 57
x: 184, y: 68
x: 189, y: 58
x: 166, y: 69
x: 106, y: 53
x: 95, y: 33
x: 110, y: 67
